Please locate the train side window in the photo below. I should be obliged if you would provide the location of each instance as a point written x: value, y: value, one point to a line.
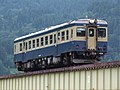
x: 51, y: 39
x: 26, y: 46
x: 54, y: 38
x: 80, y: 32
x: 58, y: 36
x: 20, y: 46
x: 63, y: 36
x: 71, y: 33
x: 33, y: 42
x: 37, y: 44
x: 67, y: 35
x: 46, y: 40
x: 29, y: 44
x: 42, y: 41
x: 101, y: 32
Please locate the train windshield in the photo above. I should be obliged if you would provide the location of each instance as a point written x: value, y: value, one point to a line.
x: 101, y: 32
x: 91, y: 32
x: 80, y: 32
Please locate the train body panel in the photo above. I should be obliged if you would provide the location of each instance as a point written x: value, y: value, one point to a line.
x: 56, y: 50
x: 62, y: 43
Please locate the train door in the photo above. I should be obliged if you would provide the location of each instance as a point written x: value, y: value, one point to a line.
x: 91, y: 38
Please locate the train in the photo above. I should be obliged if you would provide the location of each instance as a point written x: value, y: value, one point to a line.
x: 75, y: 42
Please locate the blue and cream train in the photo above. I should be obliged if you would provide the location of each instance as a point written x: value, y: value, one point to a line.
x: 80, y: 41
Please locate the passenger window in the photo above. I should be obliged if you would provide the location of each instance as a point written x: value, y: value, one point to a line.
x: 46, y: 40
x: 37, y: 42
x: 91, y: 32
x: 33, y: 43
x: 26, y: 46
x: 42, y: 42
x: 54, y: 38
x: 51, y: 39
x: 20, y: 46
x: 80, y: 32
x: 58, y: 36
x: 63, y: 36
x: 101, y: 32
x: 72, y: 33
x: 29, y: 44
x: 67, y: 35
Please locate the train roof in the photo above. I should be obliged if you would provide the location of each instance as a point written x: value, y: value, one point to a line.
x: 70, y: 23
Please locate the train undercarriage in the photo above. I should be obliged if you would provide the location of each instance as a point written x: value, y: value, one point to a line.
x: 65, y: 59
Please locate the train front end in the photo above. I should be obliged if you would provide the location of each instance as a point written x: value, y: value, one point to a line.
x: 95, y: 37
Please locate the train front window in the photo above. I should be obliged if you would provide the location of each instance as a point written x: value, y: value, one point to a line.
x: 101, y: 32
x: 91, y: 32
x: 80, y: 32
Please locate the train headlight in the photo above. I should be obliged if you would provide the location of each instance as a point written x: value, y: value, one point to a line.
x: 92, y: 21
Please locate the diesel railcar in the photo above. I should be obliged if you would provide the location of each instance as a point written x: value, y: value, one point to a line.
x: 79, y: 41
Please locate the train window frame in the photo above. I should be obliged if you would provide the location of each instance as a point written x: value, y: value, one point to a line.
x: 42, y: 41
x: 102, y: 35
x: 37, y: 42
x: 71, y: 33
x: 55, y: 38
x: 26, y: 44
x: 62, y: 35
x: 81, y: 33
x: 21, y: 46
x: 46, y: 40
x: 67, y: 34
x: 58, y: 36
x: 33, y: 43
x: 29, y: 44
x: 51, y: 39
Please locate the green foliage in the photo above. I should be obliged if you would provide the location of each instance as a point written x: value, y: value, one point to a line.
x: 20, y: 17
